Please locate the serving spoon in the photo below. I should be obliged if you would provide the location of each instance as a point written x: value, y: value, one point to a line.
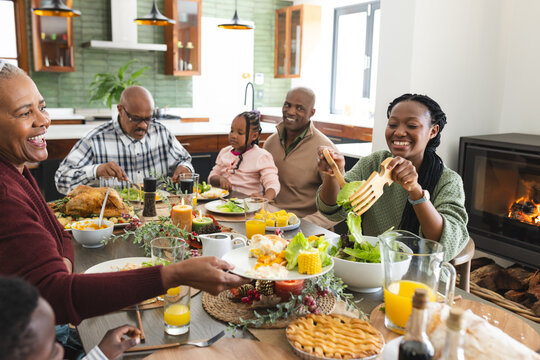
x: 103, y: 207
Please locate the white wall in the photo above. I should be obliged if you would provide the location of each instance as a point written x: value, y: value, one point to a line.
x: 227, y: 66
x: 478, y: 61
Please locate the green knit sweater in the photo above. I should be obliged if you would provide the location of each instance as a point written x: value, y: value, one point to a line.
x: 448, y: 198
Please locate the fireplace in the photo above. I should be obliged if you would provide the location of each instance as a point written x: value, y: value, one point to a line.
x: 501, y: 176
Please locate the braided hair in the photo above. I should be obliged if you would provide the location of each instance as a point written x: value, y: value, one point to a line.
x: 18, y: 300
x: 253, y: 123
x: 432, y: 165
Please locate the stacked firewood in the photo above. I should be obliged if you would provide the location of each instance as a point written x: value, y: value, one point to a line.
x: 515, y: 283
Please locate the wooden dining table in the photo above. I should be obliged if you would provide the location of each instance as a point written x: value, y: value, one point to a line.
x: 202, y: 325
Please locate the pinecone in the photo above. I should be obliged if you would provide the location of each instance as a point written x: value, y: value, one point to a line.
x: 209, y: 229
x: 243, y: 290
x: 265, y: 287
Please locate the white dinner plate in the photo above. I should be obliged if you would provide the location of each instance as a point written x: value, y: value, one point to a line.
x: 391, y: 349
x: 202, y: 197
x: 284, y: 228
x: 213, y: 207
x: 116, y: 264
x: 243, y: 264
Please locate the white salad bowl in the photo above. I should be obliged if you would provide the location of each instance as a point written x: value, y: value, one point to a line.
x: 88, y: 237
x: 363, y: 277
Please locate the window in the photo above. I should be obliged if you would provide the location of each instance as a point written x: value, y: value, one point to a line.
x: 354, y: 58
x: 13, y: 48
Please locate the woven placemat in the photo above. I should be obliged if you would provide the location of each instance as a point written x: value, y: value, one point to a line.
x: 503, y: 302
x: 222, y: 307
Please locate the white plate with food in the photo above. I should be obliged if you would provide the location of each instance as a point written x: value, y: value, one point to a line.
x: 212, y: 194
x: 244, y: 266
x: 227, y: 208
x: 284, y: 228
x: 122, y: 264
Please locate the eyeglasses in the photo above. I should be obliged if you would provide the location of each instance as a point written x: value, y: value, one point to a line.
x: 138, y: 120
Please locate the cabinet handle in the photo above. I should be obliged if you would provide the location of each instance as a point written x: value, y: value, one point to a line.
x: 334, y: 139
x: 185, y: 144
x: 203, y: 156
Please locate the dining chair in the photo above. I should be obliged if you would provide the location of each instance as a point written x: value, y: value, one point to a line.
x: 462, y: 263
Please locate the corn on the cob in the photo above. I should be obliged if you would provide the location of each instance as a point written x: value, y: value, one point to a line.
x: 309, y: 262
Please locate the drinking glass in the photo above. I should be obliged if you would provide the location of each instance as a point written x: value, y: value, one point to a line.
x: 410, y: 262
x: 166, y: 251
x: 177, y: 310
x: 189, y: 185
x: 256, y: 224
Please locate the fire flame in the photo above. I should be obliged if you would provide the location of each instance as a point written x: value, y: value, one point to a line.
x: 525, y: 210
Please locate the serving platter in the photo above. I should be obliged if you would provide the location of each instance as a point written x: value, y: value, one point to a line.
x: 243, y: 266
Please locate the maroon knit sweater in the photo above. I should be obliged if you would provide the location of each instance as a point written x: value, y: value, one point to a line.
x: 33, y: 243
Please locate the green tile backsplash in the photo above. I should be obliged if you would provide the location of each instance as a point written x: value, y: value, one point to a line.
x: 71, y: 89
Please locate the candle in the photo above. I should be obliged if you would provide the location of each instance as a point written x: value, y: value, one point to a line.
x: 181, y: 216
x: 284, y: 288
x: 201, y: 221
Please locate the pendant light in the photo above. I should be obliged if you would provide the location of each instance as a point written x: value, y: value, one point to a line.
x: 235, y: 22
x: 56, y: 8
x: 154, y: 17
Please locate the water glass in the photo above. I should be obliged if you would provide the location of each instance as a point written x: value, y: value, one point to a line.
x: 168, y: 250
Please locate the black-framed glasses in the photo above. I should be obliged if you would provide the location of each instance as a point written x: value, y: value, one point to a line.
x: 138, y: 120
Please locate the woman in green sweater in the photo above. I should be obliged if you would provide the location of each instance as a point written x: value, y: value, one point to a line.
x: 426, y: 198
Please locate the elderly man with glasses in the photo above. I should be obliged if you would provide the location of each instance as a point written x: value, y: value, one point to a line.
x: 127, y: 148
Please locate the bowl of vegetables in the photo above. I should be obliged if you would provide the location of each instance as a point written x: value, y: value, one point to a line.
x: 358, y: 264
x: 357, y: 259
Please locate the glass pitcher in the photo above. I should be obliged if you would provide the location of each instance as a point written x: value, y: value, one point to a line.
x: 411, y: 262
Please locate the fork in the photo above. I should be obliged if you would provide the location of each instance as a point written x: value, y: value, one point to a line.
x: 372, y: 190
x: 202, y: 343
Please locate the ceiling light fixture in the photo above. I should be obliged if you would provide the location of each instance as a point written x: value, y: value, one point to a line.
x: 154, y: 17
x: 235, y: 22
x: 56, y: 8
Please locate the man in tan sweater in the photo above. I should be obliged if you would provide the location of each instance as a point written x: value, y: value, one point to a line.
x: 294, y: 149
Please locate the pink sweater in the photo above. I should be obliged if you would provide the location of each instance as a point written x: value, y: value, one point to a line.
x: 257, y: 172
x: 33, y: 243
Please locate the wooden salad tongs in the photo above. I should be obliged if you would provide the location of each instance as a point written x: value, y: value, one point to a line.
x: 371, y: 191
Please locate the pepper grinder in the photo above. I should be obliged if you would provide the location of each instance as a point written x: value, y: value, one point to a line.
x: 150, y: 184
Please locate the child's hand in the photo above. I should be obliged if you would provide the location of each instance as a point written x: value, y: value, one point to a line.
x: 114, y: 343
x: 224, y: 183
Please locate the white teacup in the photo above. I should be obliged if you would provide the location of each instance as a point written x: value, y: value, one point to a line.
x: 218, y: 244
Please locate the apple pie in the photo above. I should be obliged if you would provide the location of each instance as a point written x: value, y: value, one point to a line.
x: 334, y: 337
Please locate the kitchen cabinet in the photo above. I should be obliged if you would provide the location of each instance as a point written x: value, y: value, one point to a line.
x: 183, y: 39
x: 52, y: 41
x: 296, y: 36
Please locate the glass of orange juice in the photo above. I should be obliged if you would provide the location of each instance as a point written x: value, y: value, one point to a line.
x: 255, y: 224
x: 176, y: 310
x: 410, y: 262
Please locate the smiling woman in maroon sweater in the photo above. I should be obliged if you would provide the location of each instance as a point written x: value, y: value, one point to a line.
x: 33, y: 244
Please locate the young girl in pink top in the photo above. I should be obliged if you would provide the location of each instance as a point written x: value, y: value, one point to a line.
x: 243, y: 166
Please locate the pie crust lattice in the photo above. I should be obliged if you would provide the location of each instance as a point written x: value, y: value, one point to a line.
x: 334, y: 337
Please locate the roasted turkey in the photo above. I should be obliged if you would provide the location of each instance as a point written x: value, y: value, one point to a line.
x: 85, y: 201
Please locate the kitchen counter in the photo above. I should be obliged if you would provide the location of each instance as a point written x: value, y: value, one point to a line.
x: 59, y: 132
x: 355, y: 150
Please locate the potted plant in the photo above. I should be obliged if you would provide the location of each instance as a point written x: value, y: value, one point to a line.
x: 107, y: 87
